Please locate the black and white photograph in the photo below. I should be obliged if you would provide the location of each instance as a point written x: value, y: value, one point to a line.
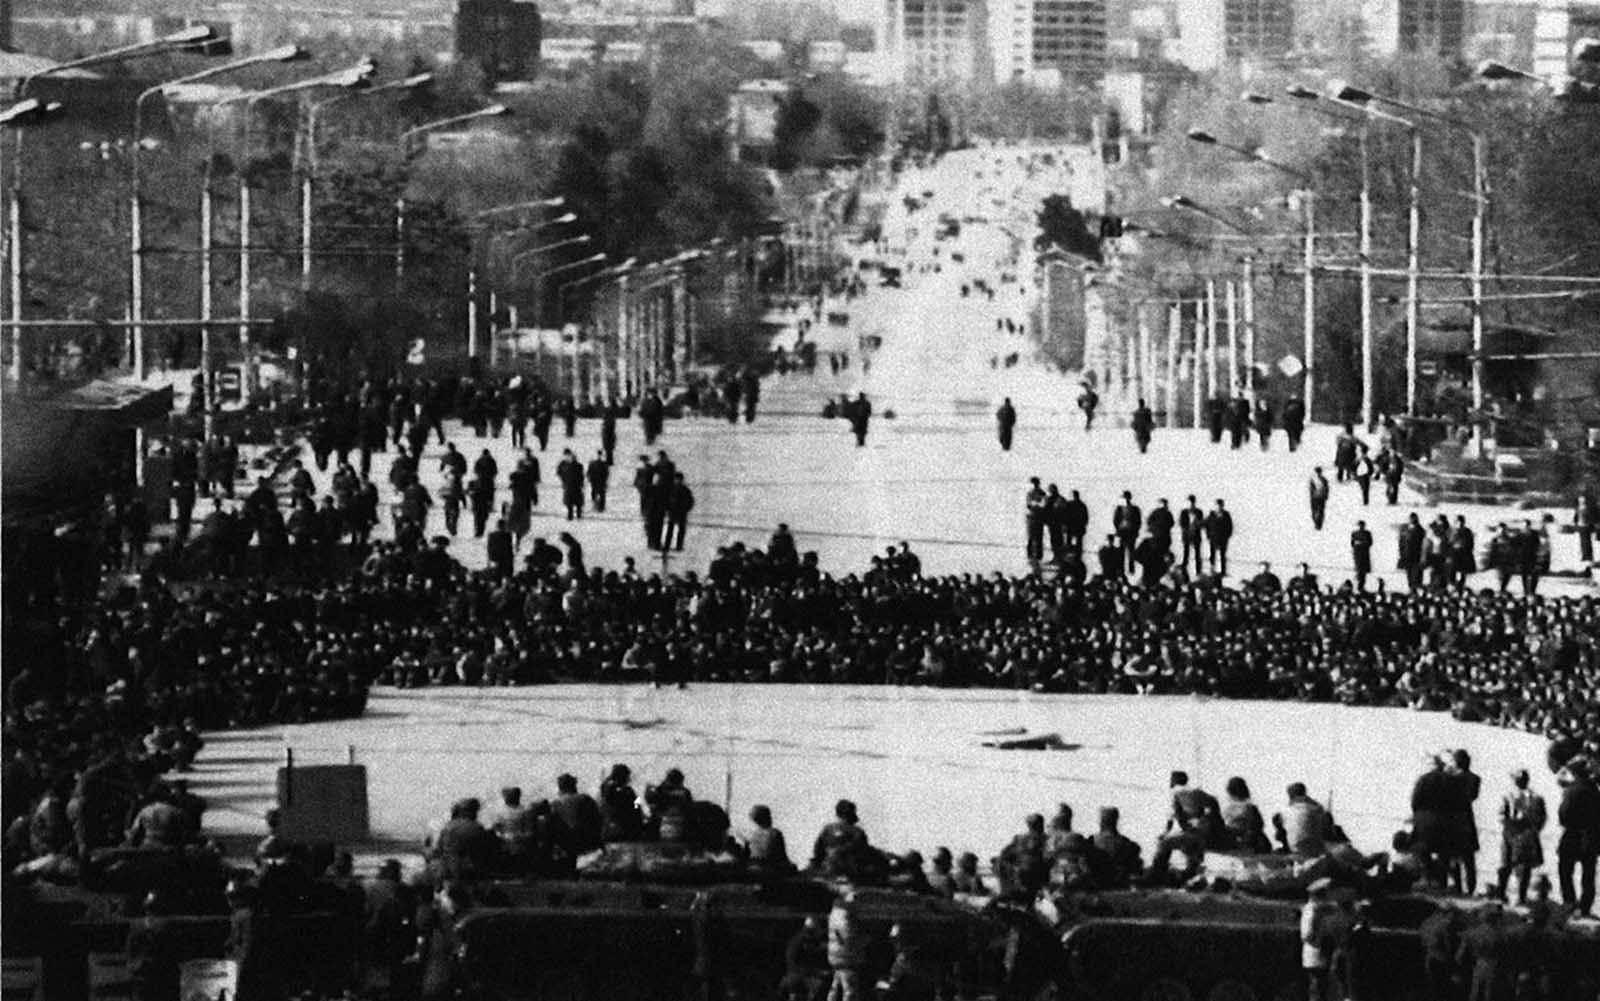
x: 800, y: 500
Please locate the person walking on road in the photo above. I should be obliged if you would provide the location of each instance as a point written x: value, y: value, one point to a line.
x: 859, y: 412
x: 1318, y: 490
x: 1364, y: 470
x: 1144, y: 425
x: 1361, y: 554
x: 570, y: 473
x: 1074, y: 522
x: 1006, y: 420
x: 1055, y: 522
x: 599, y: 474
x: 1088, y: 400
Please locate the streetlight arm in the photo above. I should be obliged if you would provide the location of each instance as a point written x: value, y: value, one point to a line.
x: 492, y: 111
x: 178, y: 39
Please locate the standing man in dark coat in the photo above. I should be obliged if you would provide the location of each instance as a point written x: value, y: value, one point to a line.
x: 608, y: 433
x: 1216, y: 414
x: 1579, y: 846
x: 480, y: 496
x: 1144, y: 425
x: 570, y: 473
x: 1263, y: 422
x: 1361, y: 554
x: 1054, y: 515
x: 1238, y: 421
x: 651, y: 415
x: 599, y: 474
x: 859, y: 412
x: 1317, y: 491
x: 750, y: 383
x: 542, y: 416
x: 1113, y: 565
x: 1159, y: 524
x: 1412, y: 537
x: 1192, y: 529
x: 502, y: 549
x: 1393, y: 470
x: 732, y: 391
x: 1294, y: 421
x: 1075, y: 521
x: 569, y: 416
x: 1463, y: 552
x: 1127, y: 520
x: 1219, y: 533
x: 1006, y: 420
x: 1034, y: 503
x: 680, y: 501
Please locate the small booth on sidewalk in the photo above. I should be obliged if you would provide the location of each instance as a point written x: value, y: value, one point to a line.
x: 65, y: 447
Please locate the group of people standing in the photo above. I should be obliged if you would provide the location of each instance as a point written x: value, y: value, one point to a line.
x: 1138, y: 541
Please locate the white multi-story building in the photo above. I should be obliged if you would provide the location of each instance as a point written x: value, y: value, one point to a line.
x: 929, y: 42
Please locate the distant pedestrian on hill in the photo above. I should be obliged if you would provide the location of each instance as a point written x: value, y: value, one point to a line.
x: 1088, y: 400
x: 1006, y: 420
x: 859, y: 413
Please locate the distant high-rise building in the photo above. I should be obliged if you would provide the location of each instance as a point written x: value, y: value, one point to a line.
x: 1257, y: 28
x: 933, y: 41
x: 1042, y: 39
x: 1069, y: 36
x: 1436, y: 27
x: 501, y: 36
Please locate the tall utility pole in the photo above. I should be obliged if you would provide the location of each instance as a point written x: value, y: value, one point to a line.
x: 1249, y: 304
x: 1211, y: 339
x: 1174, y: 331
x: 1198, y: 326
x: 1413, y: 270
x: 1480, y: 199
x: 1366, y: 276
x: 208, y: 401
x: 1308, y: 296
x: 1233, y: 339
